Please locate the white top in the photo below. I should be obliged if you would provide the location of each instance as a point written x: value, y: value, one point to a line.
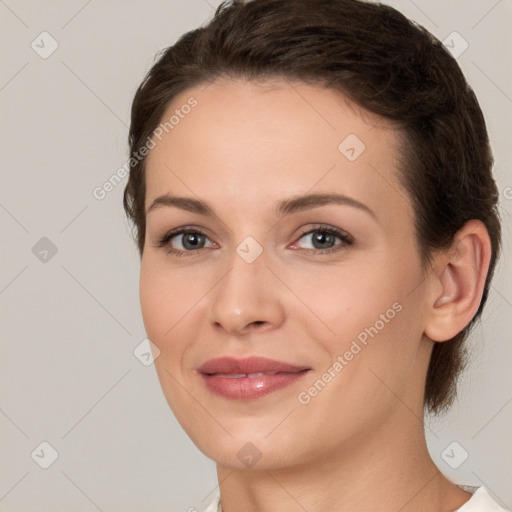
x: 481, y: 501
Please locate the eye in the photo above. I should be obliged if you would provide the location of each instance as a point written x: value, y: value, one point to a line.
x: 185, y: 240
x: 324, y: 239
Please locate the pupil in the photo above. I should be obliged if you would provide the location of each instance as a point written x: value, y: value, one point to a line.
x: 192, y: 240
x: 321, y: 238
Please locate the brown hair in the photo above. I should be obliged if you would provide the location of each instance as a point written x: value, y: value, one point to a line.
x: 383, y: 62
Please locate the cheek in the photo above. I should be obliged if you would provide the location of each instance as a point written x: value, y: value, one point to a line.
x: 369, y: 305
x: 340, y: 302
x: 153, y: 301
x: 168, y: 303
x: 166, y: 296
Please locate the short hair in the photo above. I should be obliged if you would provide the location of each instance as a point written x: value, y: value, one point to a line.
x: 380, y: 60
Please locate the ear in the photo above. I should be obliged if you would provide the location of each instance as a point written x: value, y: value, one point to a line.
x: 457, y: 282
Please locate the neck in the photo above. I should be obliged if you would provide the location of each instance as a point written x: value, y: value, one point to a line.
x: 388, y: 470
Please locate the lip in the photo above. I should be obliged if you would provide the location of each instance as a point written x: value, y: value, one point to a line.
x: 249, y: 378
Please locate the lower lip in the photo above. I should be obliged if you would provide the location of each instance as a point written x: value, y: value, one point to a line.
x: 250, y: 388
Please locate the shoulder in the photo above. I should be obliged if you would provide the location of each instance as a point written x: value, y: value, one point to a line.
x: 480, y: 501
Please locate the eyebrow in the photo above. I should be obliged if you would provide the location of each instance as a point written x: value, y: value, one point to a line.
x: 284, y: 207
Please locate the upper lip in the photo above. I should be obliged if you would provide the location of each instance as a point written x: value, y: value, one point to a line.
x: 254, y: 364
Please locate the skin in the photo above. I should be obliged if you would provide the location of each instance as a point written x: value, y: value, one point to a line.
x: 359, y: 444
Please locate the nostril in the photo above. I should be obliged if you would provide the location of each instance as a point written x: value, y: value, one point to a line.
x: 257, y: 323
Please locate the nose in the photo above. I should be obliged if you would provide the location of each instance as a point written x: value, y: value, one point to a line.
x: 247, y: 298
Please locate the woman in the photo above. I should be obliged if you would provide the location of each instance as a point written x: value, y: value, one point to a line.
x: 317, y: 221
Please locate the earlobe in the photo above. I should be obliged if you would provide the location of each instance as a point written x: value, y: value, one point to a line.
x: 460, y: 275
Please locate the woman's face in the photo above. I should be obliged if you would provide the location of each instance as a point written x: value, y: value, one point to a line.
x: 331, y: 285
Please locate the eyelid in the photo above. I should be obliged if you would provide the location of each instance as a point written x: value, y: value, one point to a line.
x: 346, y: 238
x: 164, y: 240
x: 328, y: 228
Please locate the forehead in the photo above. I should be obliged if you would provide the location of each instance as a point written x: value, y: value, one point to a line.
x: 245, y: 141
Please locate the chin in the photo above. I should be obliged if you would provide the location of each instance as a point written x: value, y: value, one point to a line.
x: 250, y: 449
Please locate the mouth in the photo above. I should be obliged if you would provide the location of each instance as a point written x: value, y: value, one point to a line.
x: 250, y: 378
x: 248, y: 366
x: 242, y: 375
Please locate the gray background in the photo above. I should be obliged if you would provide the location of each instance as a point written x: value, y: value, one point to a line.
x: 71, y: 320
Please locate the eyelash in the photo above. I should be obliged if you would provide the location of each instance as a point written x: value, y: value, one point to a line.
x: 345, y: 238
x: 164, y: 241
